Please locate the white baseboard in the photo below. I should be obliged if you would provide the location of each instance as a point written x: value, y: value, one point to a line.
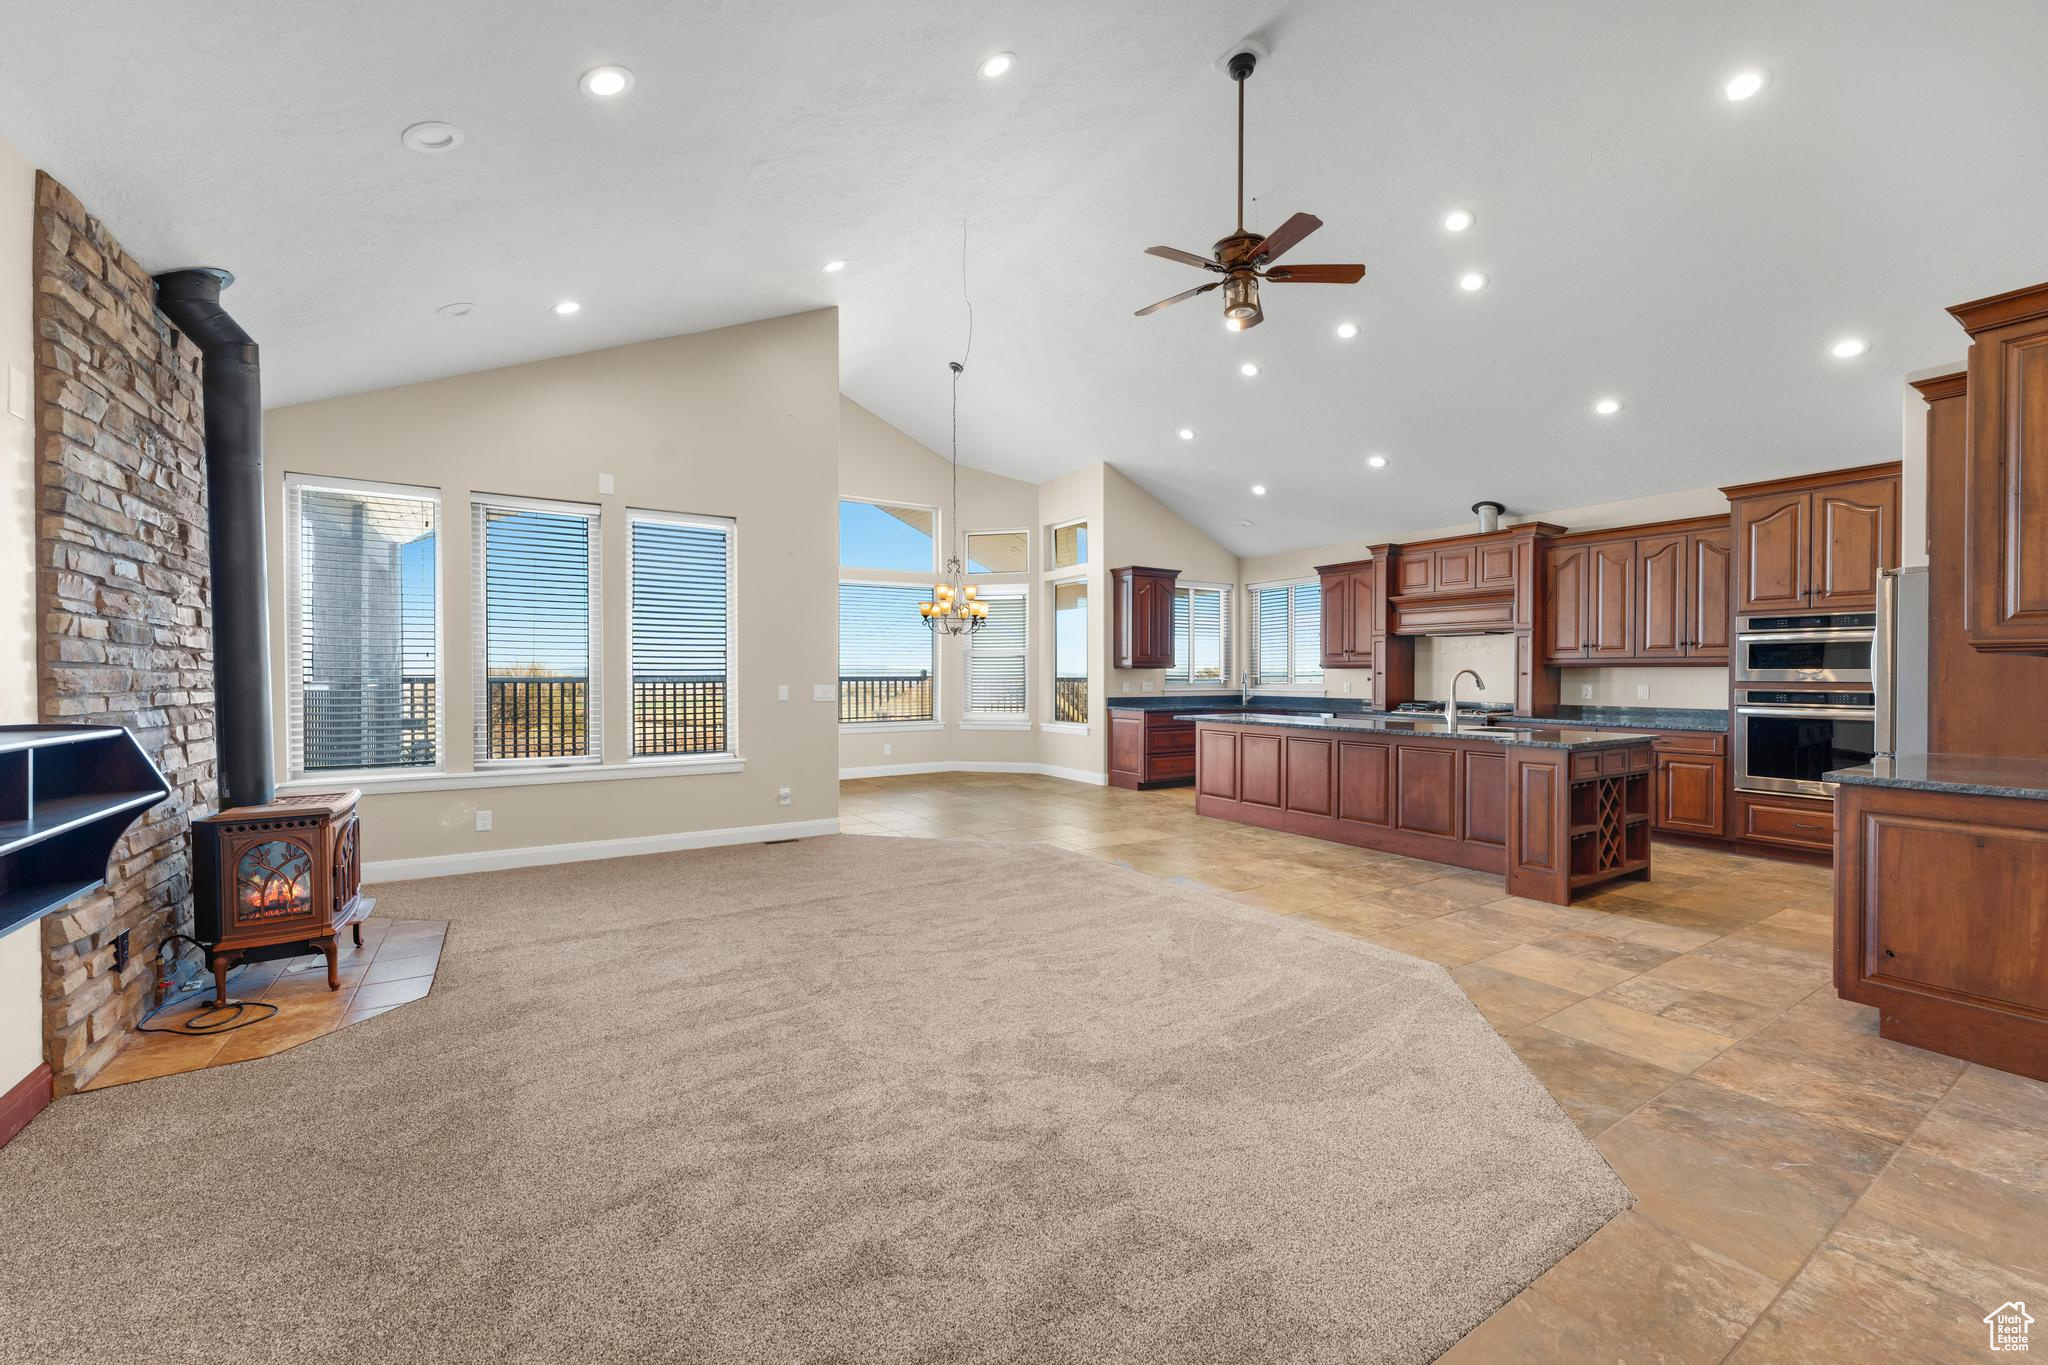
x: 537, y: 855
x: 1093, y: 779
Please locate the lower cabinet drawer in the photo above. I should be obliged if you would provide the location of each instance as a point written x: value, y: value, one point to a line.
x: 1171, y: 739
x: 1676, y: 743
x: 1169, y: 765
x: 1800, y: 825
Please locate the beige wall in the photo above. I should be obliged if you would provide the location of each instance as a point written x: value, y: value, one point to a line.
x: 742, y: 423
x: 1078, y: 497
x: 21, y: 1017
x: 1436, y: 660
x: 1139, y: 529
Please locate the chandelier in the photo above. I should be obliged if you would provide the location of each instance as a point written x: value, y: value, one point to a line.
x: 953, y: 608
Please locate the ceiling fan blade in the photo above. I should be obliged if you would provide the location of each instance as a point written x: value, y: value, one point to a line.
x: 1316, y: 274
x: 1174, y: 253
x: 1287, y: 234
x: 1184, y: 294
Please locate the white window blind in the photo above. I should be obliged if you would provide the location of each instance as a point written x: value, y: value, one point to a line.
x: 362, y: 622
x: 1287, y: 633
x: 682, y: 580
x: 1070, y: 652
x: 996, y: 667
x: 538, y: 688
x: 886, y: 654
x: 1201, y: 636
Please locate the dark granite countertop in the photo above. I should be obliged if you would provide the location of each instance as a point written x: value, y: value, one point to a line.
x: 1230, y: 701
x: 1631, y: 717
x: 2024, y: 779
x: 1535, y: 737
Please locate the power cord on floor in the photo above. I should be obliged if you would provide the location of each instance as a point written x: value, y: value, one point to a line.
x: 232, y: 1010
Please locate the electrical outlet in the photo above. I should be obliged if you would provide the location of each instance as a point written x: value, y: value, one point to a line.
x: 783, y: 796
x: 824, y: 691
x: 782, y: 692
x: 1642, y: 691
x: 1146, y: 685
x: 1347, y: 687
x: 483, y: 821
x: 121, y: 950
x: 1127, y: 689
x: 888, y: 749
x: 1585, y: 691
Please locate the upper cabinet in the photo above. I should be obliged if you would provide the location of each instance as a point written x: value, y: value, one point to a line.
x: 1347, y: 613
x: 1815, y: 543
x: 1142, y: 617
x: 1643, y: 594
x: 2005, y: 486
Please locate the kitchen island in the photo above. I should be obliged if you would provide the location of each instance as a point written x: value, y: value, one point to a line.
x: 1555, y: 810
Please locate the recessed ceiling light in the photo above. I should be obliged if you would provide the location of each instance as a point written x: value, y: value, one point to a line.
x: 1376, y: 461
x: 1258, y: 490
x: 834, y: 267
x: 1457, y: 220
x: 1347, y: 330
x: 454, y: 310
x: 1848, y: 348
x: 1744, y: 84
x: 1244, y: 523
x: 566, y: 307
x: 1471, y: 281
x: 432, y: 136
x: 998, y: 65
x: 1248, y: 369
x: 606, y: 81
x: 1607, y: 407
x: 1187, y: 433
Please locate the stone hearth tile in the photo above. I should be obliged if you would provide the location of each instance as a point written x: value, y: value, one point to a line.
x: 1596, y: 1086
x: 1750, y: 1180
x: 401, y: 968
x: 1562, y: 970
x: 299, y: 1021
x: 1645, y: 1037
x: 149, y: 1055
x: 1510, y: 1002
x: 392, y: 992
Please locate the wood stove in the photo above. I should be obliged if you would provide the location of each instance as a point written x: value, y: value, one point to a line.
x: 278, y: 880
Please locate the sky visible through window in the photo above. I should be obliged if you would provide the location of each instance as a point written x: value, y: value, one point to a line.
x: 537, y: 594
x: 871, y: 538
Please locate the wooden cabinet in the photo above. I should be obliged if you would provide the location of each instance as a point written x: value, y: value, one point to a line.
x: 1692, y: 785
x: 1644, y: 594
x: 1142, y: 617
x: 1150, y: 749
x: 2005, y: 543
x: 1815, y: 543
x: 1348, y: 613
x: 1802, y: 823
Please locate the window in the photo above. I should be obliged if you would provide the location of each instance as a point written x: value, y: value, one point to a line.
x: 1070, y: 652
x: 882, y: 535
x: 537, y: 611
x: 995, y: 655
x: 1201, y: 636
x: 886, y: 654
x: 1287, y: 634
x: 362, y: 621
x: 998, y: 552
x: 682, y: 634
x: 1069, y: 545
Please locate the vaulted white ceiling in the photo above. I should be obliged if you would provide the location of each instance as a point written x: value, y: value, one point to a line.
x: 1644, y: 236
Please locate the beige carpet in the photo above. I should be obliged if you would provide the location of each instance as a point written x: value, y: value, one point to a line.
x: 849, y: 1100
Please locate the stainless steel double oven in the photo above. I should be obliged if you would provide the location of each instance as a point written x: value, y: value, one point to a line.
x: 1786, y: 738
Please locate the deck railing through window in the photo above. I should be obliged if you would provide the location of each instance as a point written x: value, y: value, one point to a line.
x: 538, y: 716
x: 675, y: 713
x: 885, y: 696
x: 1070, y: 700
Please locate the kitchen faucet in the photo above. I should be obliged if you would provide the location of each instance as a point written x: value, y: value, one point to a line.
x: 1244, y: 687
x: 1451, y: 706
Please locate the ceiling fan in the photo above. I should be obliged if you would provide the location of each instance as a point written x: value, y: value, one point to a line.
x: 1244, y: 258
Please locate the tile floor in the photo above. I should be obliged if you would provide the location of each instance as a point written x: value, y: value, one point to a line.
x: 1807, y: 1191
x: 394, y: 965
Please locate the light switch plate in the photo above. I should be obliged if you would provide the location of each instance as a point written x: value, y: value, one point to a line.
x: 1147, y: 685
x: 606, y: 484
x: 1585, y: 691
x: 782, y: 692
x: 824, y: 691
x: 1642, y: 691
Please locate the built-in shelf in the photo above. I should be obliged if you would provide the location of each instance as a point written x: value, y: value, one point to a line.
x: 67, y: 795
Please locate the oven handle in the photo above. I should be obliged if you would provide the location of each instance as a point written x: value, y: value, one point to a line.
x: 1813, y: 712
x: 1754, y: 637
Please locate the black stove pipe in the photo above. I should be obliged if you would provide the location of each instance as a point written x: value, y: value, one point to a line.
x: 234, y: 530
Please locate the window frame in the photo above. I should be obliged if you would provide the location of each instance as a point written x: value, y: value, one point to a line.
x: 1052, y: 540
x: 867, y: 727
x: 971, y: 719
x: 1068, y: 578
x: 295, y: 740
x: 1225, y: 593
x: 479, y: 640
x: 1294, y: 683
x: 1001, y: 575
x: 938, y: 535
x: 731, y: 527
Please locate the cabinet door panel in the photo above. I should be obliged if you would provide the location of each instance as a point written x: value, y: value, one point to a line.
x: 2006, y: 490
x: 1358, y: 624
x: 1564, y: 596
x: 1364, y: 782
x: 1216, y: 765
x: 1709, y: 563
x: 1310, y: 771
x: 1496, y: 566
x: 1258, y: 769
x: 1610, y: 600
x: 1455, y: 569
x: 1486, y: 797
x: 1660, y: 597
x: 1336, y: 619
x: 1415, y: 573
x: 1426, y: 790
x: 1855, y: 534
x: 1689, y: 794
x: 1774, y: 538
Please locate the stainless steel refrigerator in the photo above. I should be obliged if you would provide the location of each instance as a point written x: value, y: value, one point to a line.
x: 1899, y: 662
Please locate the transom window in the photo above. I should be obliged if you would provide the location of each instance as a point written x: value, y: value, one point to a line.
x: 998, y: 551
x: 895, y: 537
x: 1069, y: 543
x: 1286, y: 633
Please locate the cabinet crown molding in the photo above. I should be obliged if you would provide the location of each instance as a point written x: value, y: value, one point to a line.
x: 1999, y: 310
x: 1824, y: 479
x: 1720, y: 521
x: 1943, y: 386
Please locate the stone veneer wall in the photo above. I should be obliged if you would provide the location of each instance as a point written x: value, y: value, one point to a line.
x: 125, y: 634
